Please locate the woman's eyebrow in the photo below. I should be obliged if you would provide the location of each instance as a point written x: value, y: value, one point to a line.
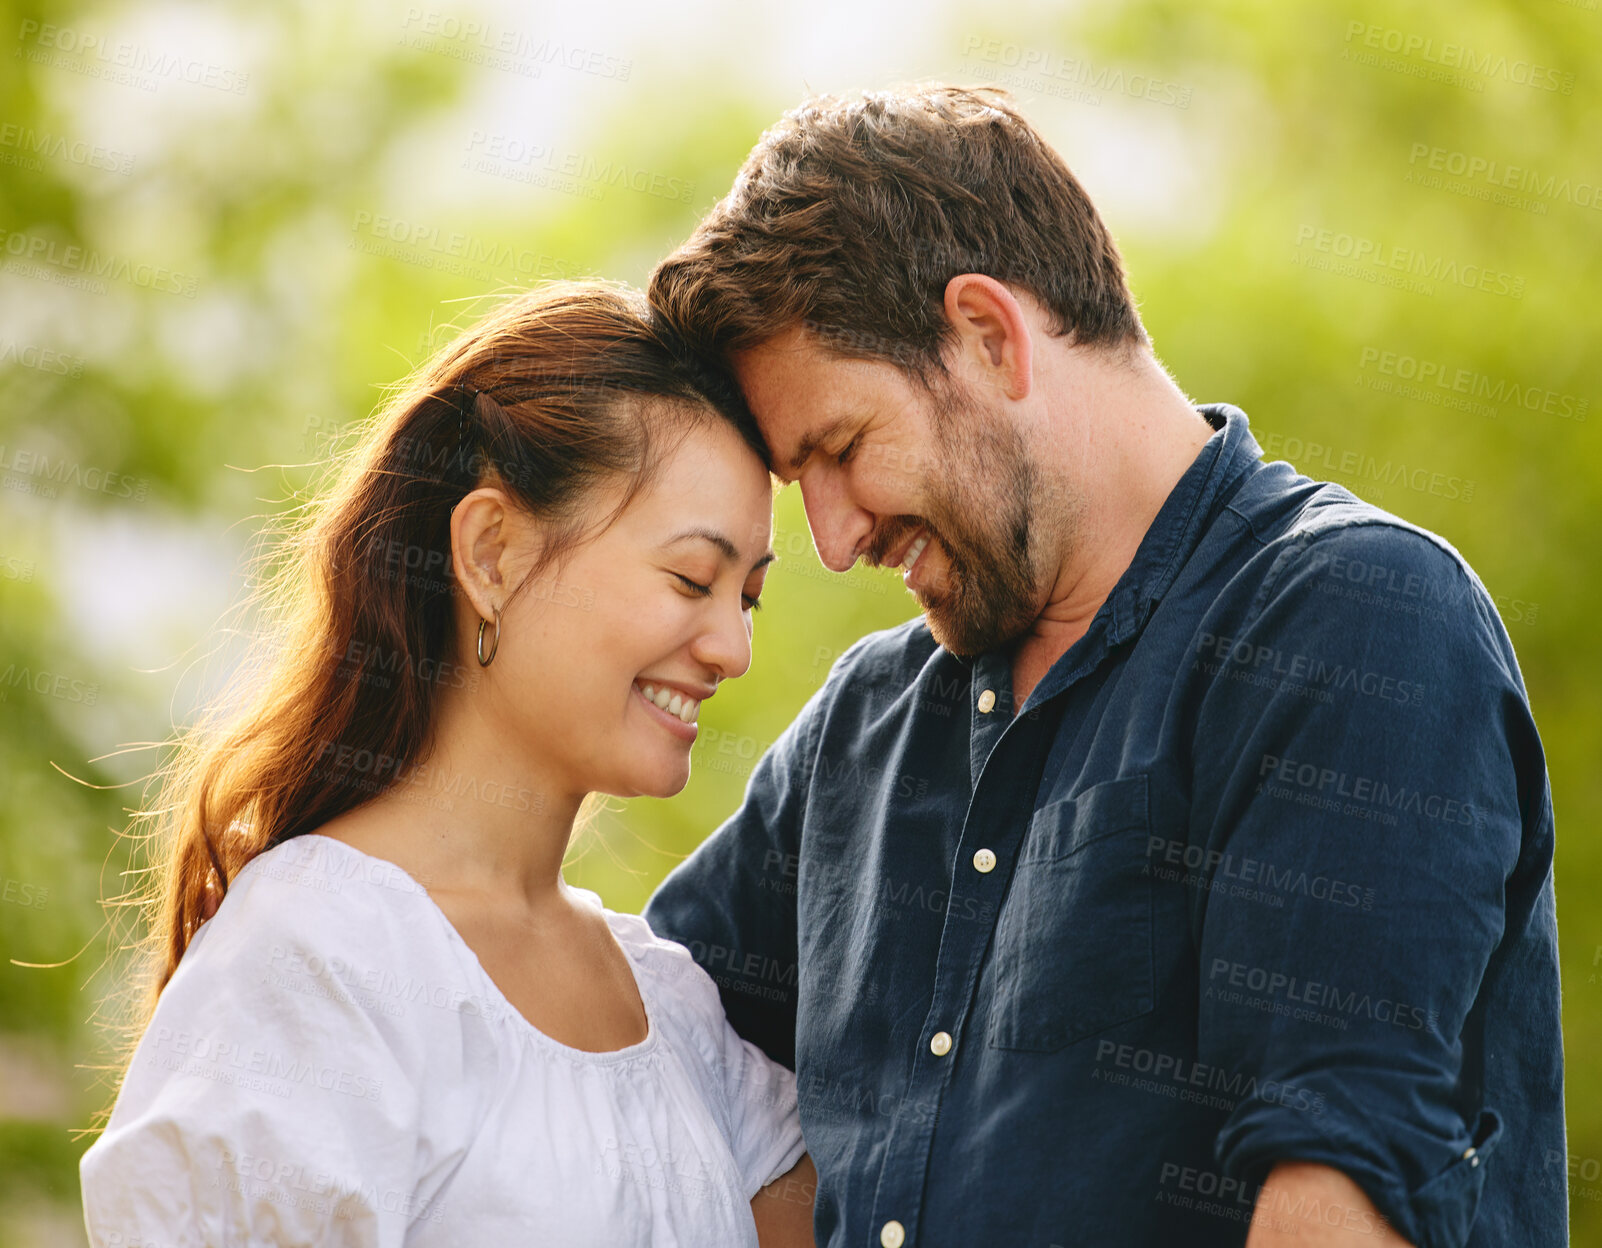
x: 725, y: 547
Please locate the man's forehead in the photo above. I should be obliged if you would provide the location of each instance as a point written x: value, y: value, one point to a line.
x: 786, y: 382
x: 790, y: 353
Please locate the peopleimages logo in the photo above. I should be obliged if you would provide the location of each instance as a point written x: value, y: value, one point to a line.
x: 1359, y: 256
x: 1052, y: 73
x: 1497, y: 391
x: 1446, y: 55
x: 51, y: 684
x: 1187, y: 1074
x: 1498, y: 176
x: 31, y: 143
x: 1326, y: 782
x: 41, y: 359
x: 1307, y: 669
x: 88, y: 263
x: 121, y: 60
x: 509, y: 156
x: 1218, y: 867
x: 1303, y: 995
x: 46, y: 473
x: 1317, y: 456
x: 532, y: 50
x: 213, y: 1057
x: 434, y: 247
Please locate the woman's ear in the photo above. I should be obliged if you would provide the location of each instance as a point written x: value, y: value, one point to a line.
x: 480, y: 548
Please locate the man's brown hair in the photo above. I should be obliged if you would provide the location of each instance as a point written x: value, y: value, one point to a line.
x: 851, y: 215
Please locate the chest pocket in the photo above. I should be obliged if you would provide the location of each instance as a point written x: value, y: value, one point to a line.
x: 1073, y: 945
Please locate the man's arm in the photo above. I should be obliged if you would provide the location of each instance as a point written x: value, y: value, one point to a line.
x: 1306, y: 1205
x: 1378, y: 772
x: 783, y: 1209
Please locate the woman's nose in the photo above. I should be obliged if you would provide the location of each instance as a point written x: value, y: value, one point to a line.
x: 724, y: 646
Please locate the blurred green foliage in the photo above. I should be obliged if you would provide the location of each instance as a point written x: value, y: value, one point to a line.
x: 1305, y: 137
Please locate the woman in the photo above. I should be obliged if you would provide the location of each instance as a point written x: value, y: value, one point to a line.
x: 401, y: 1025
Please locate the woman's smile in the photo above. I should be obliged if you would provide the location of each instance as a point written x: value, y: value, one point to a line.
x: 673, y: 710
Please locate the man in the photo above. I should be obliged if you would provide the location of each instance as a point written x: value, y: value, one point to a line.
x: 1182, y: 876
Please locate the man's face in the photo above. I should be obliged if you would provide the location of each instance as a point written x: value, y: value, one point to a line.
x: 937, y: 483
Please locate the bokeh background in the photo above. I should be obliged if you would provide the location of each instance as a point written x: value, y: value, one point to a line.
x: 225, y: 228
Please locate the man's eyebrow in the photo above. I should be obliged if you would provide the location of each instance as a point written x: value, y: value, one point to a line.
x: 811, y: 441
x: 725, y: 547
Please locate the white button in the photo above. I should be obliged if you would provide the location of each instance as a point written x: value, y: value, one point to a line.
x: 987, y: 701
x: 984, y: 861
x: 893, y: 1234
x: 940, y: 1043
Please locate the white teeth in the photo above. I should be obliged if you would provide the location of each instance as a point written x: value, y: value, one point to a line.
x: 915, y: 550
x: 673, y: 702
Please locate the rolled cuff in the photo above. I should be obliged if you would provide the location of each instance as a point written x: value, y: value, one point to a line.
x: 1429, y: 1207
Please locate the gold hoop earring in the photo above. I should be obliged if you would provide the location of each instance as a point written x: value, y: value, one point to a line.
x: 483, y: 659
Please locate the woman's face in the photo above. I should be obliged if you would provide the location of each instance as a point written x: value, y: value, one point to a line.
x: 655, y: 609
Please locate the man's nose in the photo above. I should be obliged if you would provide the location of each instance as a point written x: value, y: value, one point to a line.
x: 839, y: 527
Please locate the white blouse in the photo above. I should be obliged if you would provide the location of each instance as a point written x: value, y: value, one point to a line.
x: 331, y: 1065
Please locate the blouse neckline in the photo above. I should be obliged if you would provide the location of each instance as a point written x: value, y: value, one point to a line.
x: 604, y: 1057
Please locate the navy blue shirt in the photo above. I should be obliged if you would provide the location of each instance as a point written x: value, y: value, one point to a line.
x: 1261, y: 870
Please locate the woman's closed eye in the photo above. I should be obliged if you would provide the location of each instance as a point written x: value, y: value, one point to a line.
x: 751, y: 601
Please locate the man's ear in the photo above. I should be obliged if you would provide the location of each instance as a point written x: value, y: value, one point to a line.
x: 994, y: 346
x: 480, y: 534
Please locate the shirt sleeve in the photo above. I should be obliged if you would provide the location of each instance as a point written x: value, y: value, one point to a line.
x: 1382, y: 765
x: 732, y: 902
x: 270, y: 1100
x: 764, y: 1122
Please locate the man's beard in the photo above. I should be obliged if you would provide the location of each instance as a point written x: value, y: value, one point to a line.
x: 983, y: 507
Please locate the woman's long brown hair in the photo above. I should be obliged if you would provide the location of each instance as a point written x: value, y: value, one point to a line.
x: 339, y: 701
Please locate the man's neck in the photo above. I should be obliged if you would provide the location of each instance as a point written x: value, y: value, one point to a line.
x: 1117, y: 445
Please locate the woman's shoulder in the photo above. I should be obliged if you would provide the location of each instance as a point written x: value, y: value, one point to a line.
x: 321, y: 866
x: 661, y: 958
x: 672, y: 970
x: 319, y: 1020
x: 753, y: 1096
x: 314, y: 926
x: 314, y: 888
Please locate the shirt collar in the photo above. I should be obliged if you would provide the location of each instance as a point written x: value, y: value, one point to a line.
x: 1177, y: 530
x: 1184, y: 516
